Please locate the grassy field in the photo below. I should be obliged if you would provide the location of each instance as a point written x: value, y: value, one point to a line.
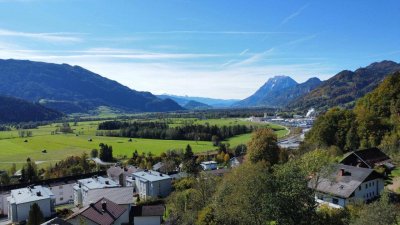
x: 14, y: 149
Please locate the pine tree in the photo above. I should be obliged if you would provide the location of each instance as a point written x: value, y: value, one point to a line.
x: 35, y: 215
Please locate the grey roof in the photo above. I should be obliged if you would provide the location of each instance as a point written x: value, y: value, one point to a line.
x: 96, y: 183
x: 158, y: 166
x: 29, y: 194
x: 119, y: 195
x: 150, y: 176
x: 342, y: 186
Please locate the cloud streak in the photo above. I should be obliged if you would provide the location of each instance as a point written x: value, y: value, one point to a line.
x: 49, y: 37
x: 293, y: 15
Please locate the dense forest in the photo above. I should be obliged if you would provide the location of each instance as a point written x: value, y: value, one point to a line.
x: 13, y: 110
x: 374, y: 121
x: 157, y: 130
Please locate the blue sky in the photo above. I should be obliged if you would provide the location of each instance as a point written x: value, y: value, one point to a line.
x: 211, y: 48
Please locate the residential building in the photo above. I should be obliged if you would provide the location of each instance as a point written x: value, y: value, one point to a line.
x: 347, y: 184
x: 102, y: 212
x: 122, y: 196
x: 209, y: 165
x: 84, y: 186
x: 152, y: 184
x: 63, y: 191
x: 20, y: 201
x: 62, y: 188
x: 367, y: 158
x: 148, y: 214
x: 120, y: 174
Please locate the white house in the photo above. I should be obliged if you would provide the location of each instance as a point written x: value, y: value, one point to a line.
x: 120, y: 174
x: 102, y: 212
x: 3, y: 202
x: 20, y: 201
x: 62, y: 188
x: 63, y: 191
x: 209, y: 165
x: 82, y: 187
x: 148, y: 214
x: 348, y: 184
x: 152, y: 184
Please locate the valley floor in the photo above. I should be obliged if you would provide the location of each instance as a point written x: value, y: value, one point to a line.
x: 15, y: 149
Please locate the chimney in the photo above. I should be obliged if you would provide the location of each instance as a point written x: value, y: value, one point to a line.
x: 341, y: 172
x: 104, y: 205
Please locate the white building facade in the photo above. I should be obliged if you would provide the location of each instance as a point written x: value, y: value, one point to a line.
x: 351, y: 184
x: 152, y: 184
x: 20, y: 201
x: 83, y: 186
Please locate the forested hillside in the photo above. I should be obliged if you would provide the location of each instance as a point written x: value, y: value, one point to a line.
x: 17, y: 110
x: 73, y: 88
x: 345, y: 87
x: 375, y: 121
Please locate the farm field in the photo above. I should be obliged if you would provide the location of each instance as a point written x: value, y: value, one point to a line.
x: 14, y: 149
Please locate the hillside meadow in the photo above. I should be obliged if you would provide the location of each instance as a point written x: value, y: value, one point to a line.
x: 14, y: 149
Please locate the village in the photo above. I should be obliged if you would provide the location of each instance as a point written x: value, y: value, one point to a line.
x: 130, y: 195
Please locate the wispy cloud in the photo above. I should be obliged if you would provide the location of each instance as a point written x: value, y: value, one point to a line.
x: 254, y: 58
x: 49, y: 37
x: 293, y: 15
x: 301, y: 40
x: 176, y: 77
x: 212, y: 32
x: 244, y: 51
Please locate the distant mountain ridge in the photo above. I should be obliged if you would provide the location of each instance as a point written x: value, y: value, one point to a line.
x: 73, y: 88
x: 279, y: 91
x: 13, y: 110
x: 213, y: 102
x: 195, y: 105
x: 345, y: 87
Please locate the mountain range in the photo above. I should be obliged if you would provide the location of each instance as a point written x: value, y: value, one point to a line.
x: 73, y: 89
x: 278, y: 91
x: 345, y: 87
x: 211, y: 102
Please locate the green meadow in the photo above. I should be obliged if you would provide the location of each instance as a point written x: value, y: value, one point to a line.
x: 14, y: 149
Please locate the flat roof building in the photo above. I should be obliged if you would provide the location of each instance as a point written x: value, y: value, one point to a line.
x: 20, y: 201
x: 152, y: 184
x: 84, y: 186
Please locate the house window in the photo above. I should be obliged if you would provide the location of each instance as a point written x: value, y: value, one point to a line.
x: 335, y: 201
x: 61, y: 198
x: 366, y: 186
x: 359, y: 188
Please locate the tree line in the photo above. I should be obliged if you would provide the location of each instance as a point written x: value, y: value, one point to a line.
x: 374, y: 122
x: 157, y: 130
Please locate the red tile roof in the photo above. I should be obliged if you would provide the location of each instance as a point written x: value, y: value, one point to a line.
x: 95, y: 212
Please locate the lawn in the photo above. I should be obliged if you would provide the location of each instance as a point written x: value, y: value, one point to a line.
x: 14, y: 149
